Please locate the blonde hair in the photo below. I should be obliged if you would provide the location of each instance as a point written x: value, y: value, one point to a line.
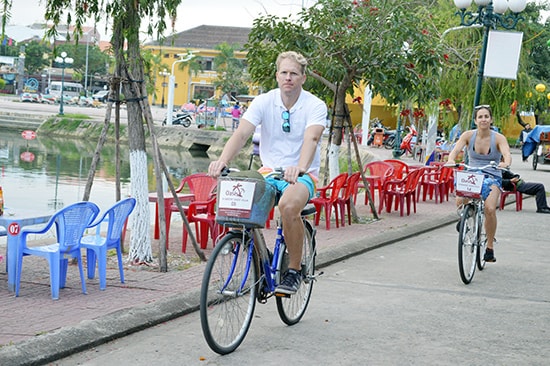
x: 294, y: 56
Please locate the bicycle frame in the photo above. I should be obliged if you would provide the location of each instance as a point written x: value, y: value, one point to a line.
x: 269, y: 264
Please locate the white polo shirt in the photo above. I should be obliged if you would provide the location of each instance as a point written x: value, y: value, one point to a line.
x: 279, y: 148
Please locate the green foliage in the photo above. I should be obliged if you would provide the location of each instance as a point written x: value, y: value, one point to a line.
x: 35, y: 61
x: 462, y: 47
x: 230, y: 70
x: 348, y: 42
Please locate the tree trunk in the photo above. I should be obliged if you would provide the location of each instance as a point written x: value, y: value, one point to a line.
x: 131, y: 68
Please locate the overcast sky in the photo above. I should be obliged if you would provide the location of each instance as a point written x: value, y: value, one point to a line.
x: 191, y: 13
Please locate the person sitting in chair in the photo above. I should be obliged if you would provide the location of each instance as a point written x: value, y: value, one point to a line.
x: 529, y: 188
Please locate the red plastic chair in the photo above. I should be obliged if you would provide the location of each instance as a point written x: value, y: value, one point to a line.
x: 203, y: 215
x: 403, y: 190
x: 202, y: 187
x: 519, y: 198
x: 344, y: 201
x: 378, y: 172
x: 400, y: 168
x: 435, y: 184
x: 327, y: 199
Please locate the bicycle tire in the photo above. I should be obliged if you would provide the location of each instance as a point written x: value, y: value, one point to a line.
x: 226, y: 315
x: 467, y: 244
x: 292, y: 309
x: 481, y: 247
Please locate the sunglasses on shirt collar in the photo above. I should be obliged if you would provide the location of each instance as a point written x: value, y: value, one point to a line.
x: 286, y: 121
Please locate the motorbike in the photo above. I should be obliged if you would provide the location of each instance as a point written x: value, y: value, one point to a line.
x: 409, y: 141
x: 180, y: 118
x: 389, y: 135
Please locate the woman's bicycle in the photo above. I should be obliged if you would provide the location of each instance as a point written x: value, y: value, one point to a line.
x: 242, y: 270
x: 472, y: 239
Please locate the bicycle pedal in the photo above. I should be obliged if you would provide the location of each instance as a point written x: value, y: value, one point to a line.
x: 277, y: 294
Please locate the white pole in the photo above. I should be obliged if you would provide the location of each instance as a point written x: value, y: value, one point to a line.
x: 170, y: 107
x: 367, y: 103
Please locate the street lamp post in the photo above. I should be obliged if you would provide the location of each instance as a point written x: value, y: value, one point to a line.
x: 63, y: 61
x: 164, y: 74
x: 489, y: 15
x: 171, y: 84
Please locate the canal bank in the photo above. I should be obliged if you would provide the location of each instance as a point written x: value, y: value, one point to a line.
x: 168, y: 137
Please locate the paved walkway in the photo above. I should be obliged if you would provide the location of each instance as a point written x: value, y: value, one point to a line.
x: 33, y: 323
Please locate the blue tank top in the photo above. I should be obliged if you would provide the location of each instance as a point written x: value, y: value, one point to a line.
x: 476, y: 159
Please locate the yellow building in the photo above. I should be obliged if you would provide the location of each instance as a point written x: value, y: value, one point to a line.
x: 201, y: 41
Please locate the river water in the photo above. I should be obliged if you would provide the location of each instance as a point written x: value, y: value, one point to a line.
x: 46, y: 174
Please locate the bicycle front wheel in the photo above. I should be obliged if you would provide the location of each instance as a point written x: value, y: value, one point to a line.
x: 467, y: 244
x: 228, y: 293
x: 482, y: 247
x: 291, y: 309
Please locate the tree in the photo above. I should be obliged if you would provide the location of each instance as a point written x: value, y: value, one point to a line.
x: 230, y: 71
x: 462, y: 48
x: 390, y: 45
x: 35, y: 61
x: 126, y: 17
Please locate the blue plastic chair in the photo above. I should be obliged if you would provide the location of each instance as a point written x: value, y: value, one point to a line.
x: 97, y: 246
x: 71, y: 222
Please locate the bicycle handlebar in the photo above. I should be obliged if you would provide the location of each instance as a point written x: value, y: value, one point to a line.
x: 492, y: 164
x: 277, y: 173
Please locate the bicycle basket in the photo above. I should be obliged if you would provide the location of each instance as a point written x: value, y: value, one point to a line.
x: 244, y: 199
x: 468, y: 184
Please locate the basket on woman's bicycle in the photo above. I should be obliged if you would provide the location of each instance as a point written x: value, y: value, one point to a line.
x: 242, y: 270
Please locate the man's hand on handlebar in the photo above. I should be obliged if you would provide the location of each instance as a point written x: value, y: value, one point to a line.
x: 292, y: 173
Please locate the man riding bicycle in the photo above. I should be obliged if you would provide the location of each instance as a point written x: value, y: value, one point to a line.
x: 293, y: 121
x: 485, y: 145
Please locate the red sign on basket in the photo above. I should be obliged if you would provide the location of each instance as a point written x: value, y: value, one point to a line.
x: 28, y: 135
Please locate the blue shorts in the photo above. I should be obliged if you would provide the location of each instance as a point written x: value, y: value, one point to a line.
x: 487, y: 183
x: 305, y: 179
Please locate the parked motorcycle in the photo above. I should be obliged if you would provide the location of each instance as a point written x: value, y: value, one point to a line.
x: 180, y: 118
x: 389, y: 135
x: 409, y: 141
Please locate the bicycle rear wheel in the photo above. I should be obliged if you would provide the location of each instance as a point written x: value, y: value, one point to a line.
x: 467, y: 244
x: 291, y: 309
x: 228, y: 293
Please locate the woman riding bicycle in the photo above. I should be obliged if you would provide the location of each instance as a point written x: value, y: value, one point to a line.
x: 485, y: 145
x: 293, y: 121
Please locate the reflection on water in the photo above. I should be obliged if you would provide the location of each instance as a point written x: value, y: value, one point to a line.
x: 50, y: 173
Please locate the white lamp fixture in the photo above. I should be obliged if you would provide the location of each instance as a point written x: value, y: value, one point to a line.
x: 500, y: 6
x: 517, y: 6
x: 462, y: 4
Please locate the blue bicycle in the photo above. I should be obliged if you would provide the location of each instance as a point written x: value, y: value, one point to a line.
x: 242, y: 270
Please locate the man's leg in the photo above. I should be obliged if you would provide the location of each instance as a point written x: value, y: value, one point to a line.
x: 537, y: 190
x: 293, y: 200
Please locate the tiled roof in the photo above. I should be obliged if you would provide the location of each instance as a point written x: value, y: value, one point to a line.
x: 206, y: 37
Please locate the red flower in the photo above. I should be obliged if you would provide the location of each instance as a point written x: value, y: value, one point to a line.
x: 425, y: 32
x: 405, y: 112
x: 446, y: 57
x: 410, y: 65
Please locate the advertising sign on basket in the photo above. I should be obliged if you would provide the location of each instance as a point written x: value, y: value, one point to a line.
x: 469, y: 183
x: 235, y: 198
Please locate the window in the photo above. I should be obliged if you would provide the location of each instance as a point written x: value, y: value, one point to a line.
x: 203, y: 91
